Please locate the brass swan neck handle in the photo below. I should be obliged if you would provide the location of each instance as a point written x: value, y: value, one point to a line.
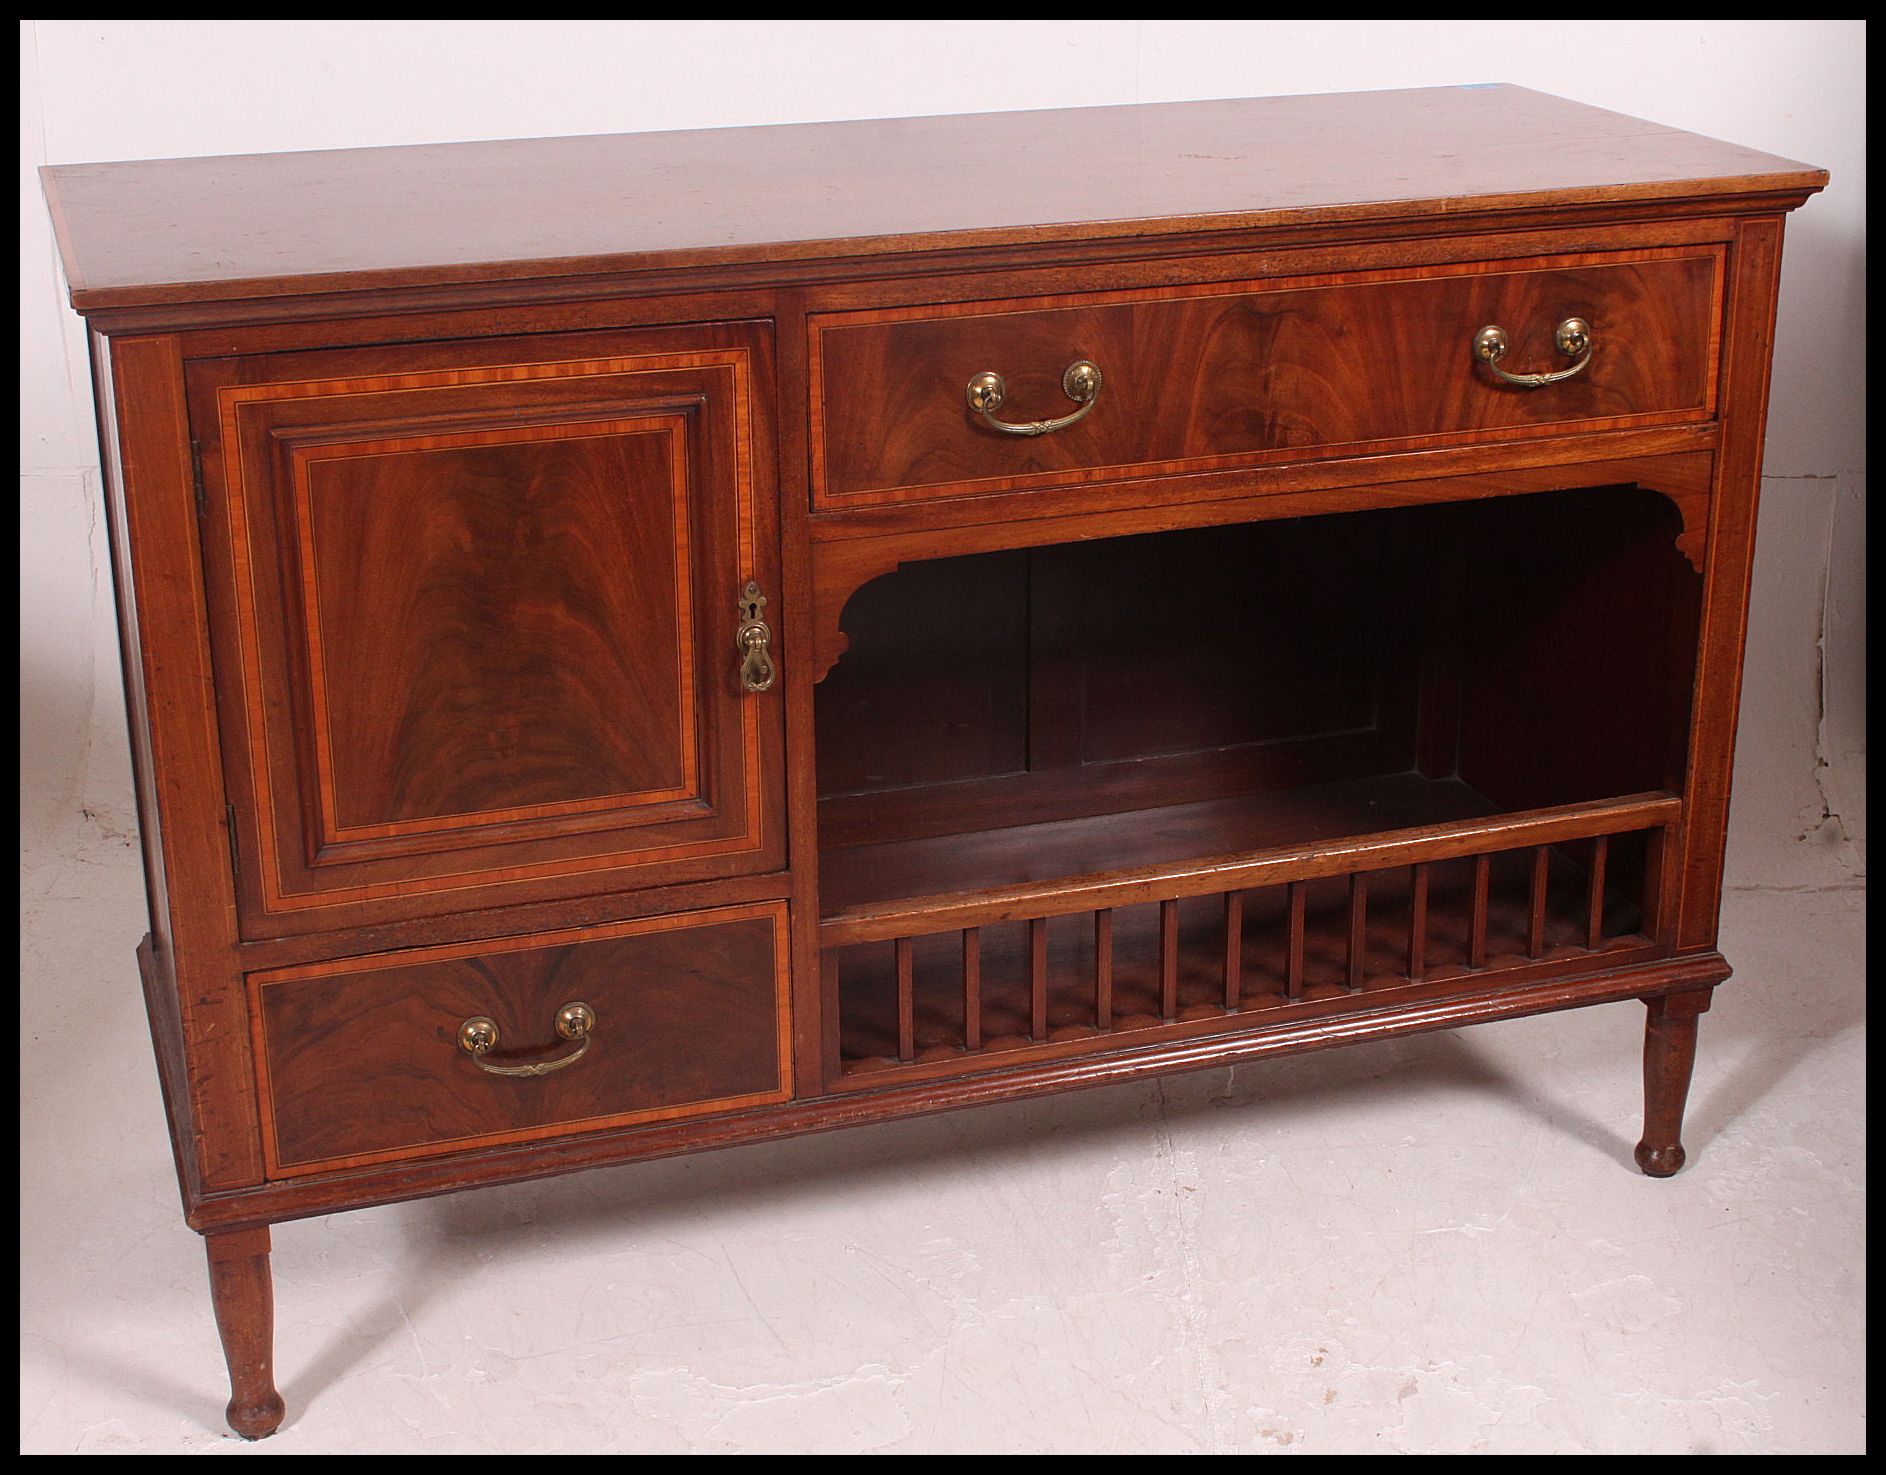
x: 1573, y: 337
x: 1080, y: 382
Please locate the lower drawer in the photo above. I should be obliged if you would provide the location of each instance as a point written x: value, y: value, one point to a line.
x: 361, y: 1060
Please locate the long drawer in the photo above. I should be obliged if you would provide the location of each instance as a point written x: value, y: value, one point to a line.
x: 1221, y: 375
x: 373, y: 1059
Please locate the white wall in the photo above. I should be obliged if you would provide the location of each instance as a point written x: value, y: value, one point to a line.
x: 149, y: 89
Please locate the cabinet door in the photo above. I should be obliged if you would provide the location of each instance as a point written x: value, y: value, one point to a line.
x: 476, y: 614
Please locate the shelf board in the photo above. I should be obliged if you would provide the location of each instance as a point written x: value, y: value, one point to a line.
x: 909, y: 887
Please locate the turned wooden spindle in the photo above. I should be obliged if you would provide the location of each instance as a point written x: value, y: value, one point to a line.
x: 1234, y: 949
x: 1358, y: 930
x: 1038, y: 979
x: 1537, y: 895
x: 1477, y: 918
x: 1418, y: 924
x: 972, y: 988
x: 1594, y: 895
x: 1293, y: 947
x: 1168, y: 960
x: 906, y: 1001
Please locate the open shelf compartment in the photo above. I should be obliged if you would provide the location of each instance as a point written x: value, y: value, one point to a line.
x: 1091, y: 796
x: 959, y: 979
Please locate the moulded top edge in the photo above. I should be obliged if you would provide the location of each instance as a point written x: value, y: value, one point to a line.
x: 266, y: 225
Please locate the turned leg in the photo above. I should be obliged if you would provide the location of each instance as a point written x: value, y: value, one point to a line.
x: 244, y: 1297
x: 1669, y: 1053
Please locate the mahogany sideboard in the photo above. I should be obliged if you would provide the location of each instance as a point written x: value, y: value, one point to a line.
x: 641, y: 643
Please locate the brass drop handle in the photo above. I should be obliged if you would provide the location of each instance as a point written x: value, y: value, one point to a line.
x: 752, y: 640
x: 478, y: 1037
x: 1573, y: 337
x: 1080, y: 382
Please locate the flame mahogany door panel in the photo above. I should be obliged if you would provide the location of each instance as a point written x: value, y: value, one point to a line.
x: 474, y: 613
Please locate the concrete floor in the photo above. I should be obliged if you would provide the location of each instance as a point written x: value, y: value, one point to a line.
x: 1428, y: 1245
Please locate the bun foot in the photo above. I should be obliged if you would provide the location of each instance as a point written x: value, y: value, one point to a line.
x: 1669, y: 1055
x: 256, y: 1420
x: 1659, y: 1162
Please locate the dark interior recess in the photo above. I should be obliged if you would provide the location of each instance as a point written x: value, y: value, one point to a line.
x: 1008, y: 716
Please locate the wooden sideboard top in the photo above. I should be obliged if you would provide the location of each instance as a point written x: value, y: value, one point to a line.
x: 252, y: 226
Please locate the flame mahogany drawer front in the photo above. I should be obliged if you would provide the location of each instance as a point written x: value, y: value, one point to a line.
x: 361, y: 1059
x: 1295, y: 595
x: 1236, y: 374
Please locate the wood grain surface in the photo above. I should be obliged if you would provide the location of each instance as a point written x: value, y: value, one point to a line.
x: 263, y: 225
x: 1201, y: 378
x: 477, y: 605
x: 362, y: 1062
x: 1513, y: 994
x: 543, y: 600
x: 1173, y: 962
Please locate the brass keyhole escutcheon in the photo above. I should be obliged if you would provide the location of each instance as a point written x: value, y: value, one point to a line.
x: 754, y: 639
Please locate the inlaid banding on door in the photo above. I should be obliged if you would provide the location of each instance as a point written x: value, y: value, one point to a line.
x: 687, y: 793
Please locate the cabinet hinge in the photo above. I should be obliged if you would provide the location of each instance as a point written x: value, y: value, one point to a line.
x: 196, y: 470
x: 235, y: 855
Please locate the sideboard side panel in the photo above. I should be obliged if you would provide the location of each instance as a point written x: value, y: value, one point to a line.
x: 170, y: 702
x: 1749, y: 334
